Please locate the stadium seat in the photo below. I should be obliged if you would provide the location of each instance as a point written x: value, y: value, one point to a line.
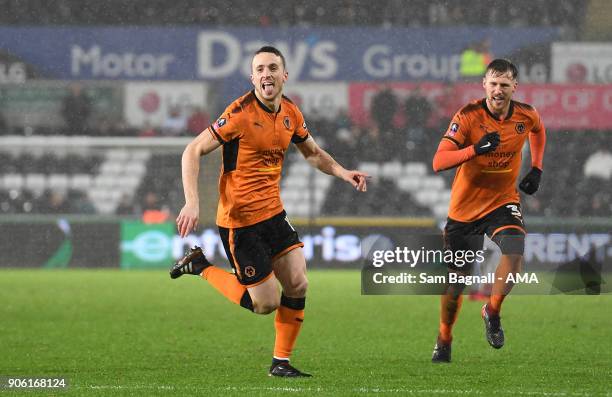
x: 444, y: 196
x: 99, y: 194
x: 35, y: 182
x: 290, y: 195
x: 322, y: 181
x: 409, y: 183
x: 415, y: 169
x: 112, y: 167
x: 141, y: 155
x: 58, y: 181
x: 13, y: 181
x: 80, y: 181
x: 128, y: 182
x: 433, y: 182
x: 391, y: 170
x: 440, y: 211
x: 117, y: 155
x: 105, y: 207
x: 290, y: 207
x: 105, y: 181
x: 426, y: 197
x: 370, y: 168
x: 300, y: 168
x: 295, y: 182
x: 136, y: 167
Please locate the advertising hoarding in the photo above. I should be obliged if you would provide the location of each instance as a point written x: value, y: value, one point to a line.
x: 322, y: 54
x: 561, y: 106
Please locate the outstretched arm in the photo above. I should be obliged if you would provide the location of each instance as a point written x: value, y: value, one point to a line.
x: 321, y: 160
x: 190, y: 168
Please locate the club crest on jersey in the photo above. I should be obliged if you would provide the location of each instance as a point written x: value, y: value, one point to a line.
x: 219, y: 123
x: 520, y: 127
x: 452, y: 131
x: 287, y: 123
x: 249, y: 271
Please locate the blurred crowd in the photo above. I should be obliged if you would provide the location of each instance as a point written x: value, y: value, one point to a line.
x: 407, y: 13
x: 403, y: 129
x: 77, y: 116
x: 410, y: 130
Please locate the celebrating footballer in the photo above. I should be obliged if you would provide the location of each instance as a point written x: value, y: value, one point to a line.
x: 484, y: 142
x: 261, y: 245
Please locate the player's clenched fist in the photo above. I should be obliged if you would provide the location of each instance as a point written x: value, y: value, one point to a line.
x: 487, y: 143
x: 531, y: 181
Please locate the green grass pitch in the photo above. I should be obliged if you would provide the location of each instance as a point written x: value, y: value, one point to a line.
x: 140, y: 333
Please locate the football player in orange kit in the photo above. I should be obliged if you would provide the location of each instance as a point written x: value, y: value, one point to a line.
x: 261, y: 245
x: 484, y: 141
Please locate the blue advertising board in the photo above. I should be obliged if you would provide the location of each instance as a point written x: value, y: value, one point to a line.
x: 314, y: 54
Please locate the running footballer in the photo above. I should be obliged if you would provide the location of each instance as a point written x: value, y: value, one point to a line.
x: 261, y: 245
x: 484, y: 142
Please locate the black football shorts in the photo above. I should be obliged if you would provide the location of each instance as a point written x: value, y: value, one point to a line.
x: 252, y: 249
x: 503, y: 225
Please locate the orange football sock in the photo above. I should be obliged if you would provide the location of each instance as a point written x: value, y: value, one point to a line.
x: 507, y: 264
x: 288, y: 322
x: 494, y: 304
x: 449, y: 310
x: 226, y: 283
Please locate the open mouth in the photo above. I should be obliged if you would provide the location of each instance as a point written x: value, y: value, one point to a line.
x: 497, y: 101
x: 267, y: 87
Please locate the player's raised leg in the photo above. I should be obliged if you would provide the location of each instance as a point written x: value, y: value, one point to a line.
x: 195, y: 263
x: 290, y: 270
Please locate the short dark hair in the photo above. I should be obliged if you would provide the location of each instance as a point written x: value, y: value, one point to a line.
x: 272, y: 50
x: 502, y: 66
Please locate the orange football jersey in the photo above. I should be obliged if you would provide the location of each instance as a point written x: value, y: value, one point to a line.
x: 488, y: 181
x: 254, y: 142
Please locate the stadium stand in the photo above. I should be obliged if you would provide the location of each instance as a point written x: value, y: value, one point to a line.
x: 46, y: 183
x: 409, y: 187
x: 414, y: 13
x: 78, y: 181
x: 396, y: 154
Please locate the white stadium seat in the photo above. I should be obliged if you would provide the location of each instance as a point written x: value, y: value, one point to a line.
x: 409, y: 183
x: 81, y: 181
x: 36, y: 182
x: 58, y: 181
x: 13, y: 181
x: 370, y: 168
x: 433, y: 182
x: 415, y: 169
x: 117, y: 155
x: 109, y: 167
x: 391, y: 170
x: 105, y: 181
